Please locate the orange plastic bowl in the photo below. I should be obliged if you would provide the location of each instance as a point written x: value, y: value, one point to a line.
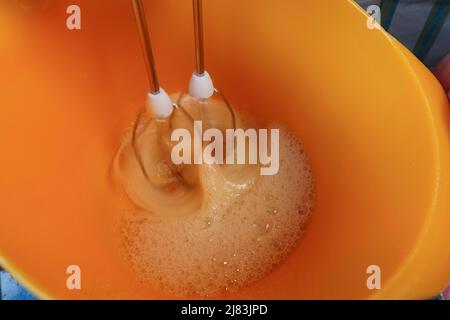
x: 374, y: 123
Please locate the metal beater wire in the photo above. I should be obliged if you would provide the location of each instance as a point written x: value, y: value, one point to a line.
x: 141, y: 23
x: 198, y: 30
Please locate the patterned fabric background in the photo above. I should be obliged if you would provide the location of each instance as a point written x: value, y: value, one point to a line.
x: 421, y: 25
x: 10, y: 289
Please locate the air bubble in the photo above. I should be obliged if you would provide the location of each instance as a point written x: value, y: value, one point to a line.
x: 232, y: 240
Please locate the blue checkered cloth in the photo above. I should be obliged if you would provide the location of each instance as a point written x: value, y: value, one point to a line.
x: 423, y: 26
x: 10, y: 289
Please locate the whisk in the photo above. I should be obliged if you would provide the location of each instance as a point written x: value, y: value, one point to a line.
x: 158, y: 102
x: 150, y: 177
x: 200, y: 85
x: 200, y: 104
x: 143, y: 163
x: 161, y: 115
x: 152, y: 129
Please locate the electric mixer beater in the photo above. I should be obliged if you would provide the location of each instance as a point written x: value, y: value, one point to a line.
x: 149, y: 175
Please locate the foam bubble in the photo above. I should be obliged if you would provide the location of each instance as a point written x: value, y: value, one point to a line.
x: 234, y: 239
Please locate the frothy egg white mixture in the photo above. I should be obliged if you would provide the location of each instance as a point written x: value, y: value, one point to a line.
x: 237, y: 236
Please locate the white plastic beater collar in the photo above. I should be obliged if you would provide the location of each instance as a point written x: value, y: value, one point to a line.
x: 159, y: 104
x: 201, y: 85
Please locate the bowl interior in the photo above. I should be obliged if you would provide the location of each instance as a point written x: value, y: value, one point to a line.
x: 68, y: 96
